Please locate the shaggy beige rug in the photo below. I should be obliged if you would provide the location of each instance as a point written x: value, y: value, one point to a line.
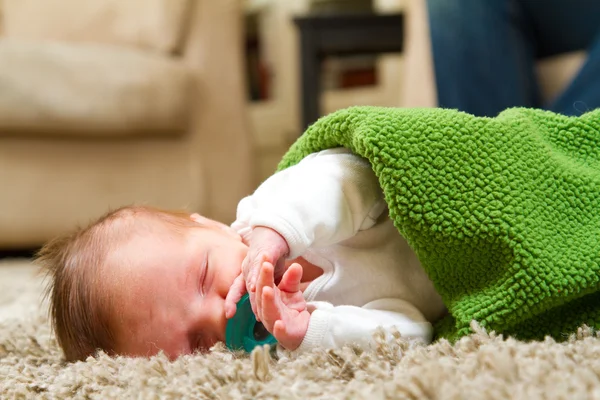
x: 482, y: 366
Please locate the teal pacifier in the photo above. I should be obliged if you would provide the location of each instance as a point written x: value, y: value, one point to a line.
x: 243, y: 332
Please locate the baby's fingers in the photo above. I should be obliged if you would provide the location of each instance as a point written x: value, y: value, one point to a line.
x: 248, y: 273
x: 236, y: 291
x: 290, y: 281
x: 270, y: 312
x: 253, y: 272
x: 265, y: 279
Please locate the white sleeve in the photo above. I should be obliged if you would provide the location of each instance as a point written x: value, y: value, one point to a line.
x: 335, y: 326
x: 326, y: 198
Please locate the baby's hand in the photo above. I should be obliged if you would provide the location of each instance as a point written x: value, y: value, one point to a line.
x: 265, y: 245
x: 282, y: 308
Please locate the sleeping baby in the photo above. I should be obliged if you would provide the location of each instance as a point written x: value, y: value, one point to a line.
x: 313, y: 246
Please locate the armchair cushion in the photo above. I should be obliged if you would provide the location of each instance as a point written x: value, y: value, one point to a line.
x: 50, y: 88
x: 151, y: 24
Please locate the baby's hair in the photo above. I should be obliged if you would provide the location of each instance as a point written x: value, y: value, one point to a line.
x: 79, y: 303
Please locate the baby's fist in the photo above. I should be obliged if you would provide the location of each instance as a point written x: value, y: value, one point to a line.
x: 266, y: 245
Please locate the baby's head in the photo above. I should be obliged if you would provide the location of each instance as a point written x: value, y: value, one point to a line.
x: 140, y: 280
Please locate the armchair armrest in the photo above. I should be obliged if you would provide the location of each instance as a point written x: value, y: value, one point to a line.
x: 221, y: 133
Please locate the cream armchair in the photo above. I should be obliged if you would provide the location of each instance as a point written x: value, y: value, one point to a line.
x: 109, y: 102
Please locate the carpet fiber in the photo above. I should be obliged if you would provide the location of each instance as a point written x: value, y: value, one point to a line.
x: 479, y: 366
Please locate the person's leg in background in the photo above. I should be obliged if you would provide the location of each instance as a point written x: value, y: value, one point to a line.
x: 483, y: 54
x: 583, y: 94
x: 565, y: 26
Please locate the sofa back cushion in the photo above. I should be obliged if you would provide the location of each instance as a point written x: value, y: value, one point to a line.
x: 55, y: 88
x: 150, y: 24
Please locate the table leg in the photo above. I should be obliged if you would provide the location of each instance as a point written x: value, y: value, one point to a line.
x: 311, y: 78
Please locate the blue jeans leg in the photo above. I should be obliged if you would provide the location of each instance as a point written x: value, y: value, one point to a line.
x: 561, y: 26
x: 483, y: 56
x: 485, y: 51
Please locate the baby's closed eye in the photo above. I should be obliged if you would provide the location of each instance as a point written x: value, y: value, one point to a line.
x: 202, y: 278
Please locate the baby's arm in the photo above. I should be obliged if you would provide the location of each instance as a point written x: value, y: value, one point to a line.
x: 326, y: 198
x: 335, y: 326
x: 298, y: 325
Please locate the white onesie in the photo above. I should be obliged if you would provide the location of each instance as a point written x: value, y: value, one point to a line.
x: 331, y: 211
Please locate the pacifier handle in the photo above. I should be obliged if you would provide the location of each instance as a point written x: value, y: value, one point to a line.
x: 243, y: 332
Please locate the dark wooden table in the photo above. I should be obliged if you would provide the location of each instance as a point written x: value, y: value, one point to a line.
x: 324, y: 35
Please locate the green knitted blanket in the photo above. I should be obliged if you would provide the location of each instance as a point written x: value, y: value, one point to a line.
x: 503, y: 213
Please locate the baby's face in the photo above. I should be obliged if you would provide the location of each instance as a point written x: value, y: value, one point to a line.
x: 169, y: 291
